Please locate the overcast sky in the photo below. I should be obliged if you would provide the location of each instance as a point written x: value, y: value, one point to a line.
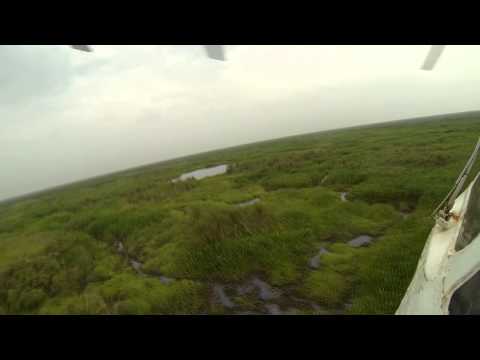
x: 67, y: 115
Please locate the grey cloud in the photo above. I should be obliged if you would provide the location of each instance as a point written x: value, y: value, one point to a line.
x: 85, y: 69
x: 27, y: 72
x: 93, y: 113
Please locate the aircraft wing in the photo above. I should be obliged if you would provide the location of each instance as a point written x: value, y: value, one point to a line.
x: 433, y: 56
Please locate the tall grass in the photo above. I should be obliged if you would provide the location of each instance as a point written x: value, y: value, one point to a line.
x: 57, y: 251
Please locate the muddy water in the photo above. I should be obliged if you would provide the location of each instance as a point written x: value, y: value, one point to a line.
x: 265, y: 291
x: 314, y: 262
x: 203, y: 173
x: 309, y: 303
x: 247, y: 203
x: 362, y: 240
x: 165, y: 280
x: 259, y: 288
x: 220, y: 294
x: 273, y: 309
x: 137, y: 266
x: 249, y: 313
x: 245, y: 289
x: 272, y: 300
x: 119, y: 246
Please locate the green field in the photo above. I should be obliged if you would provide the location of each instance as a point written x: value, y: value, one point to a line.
x: 60, y: 251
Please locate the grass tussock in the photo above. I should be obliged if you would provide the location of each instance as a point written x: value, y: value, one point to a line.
x: 57, y: 249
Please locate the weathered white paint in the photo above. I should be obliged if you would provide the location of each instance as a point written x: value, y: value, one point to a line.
x: 441, y: 270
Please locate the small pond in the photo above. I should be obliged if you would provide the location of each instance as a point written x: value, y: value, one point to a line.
x: 203, y: 173
x: 362, y: 240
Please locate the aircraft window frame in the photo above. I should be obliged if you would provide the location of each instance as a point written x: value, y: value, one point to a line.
x: 470, y: 227
x: 465, y: 300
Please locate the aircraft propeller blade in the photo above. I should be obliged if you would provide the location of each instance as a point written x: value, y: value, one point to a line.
x: 82, y: 48
x: 433, y: 56
x: 215, y: 52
